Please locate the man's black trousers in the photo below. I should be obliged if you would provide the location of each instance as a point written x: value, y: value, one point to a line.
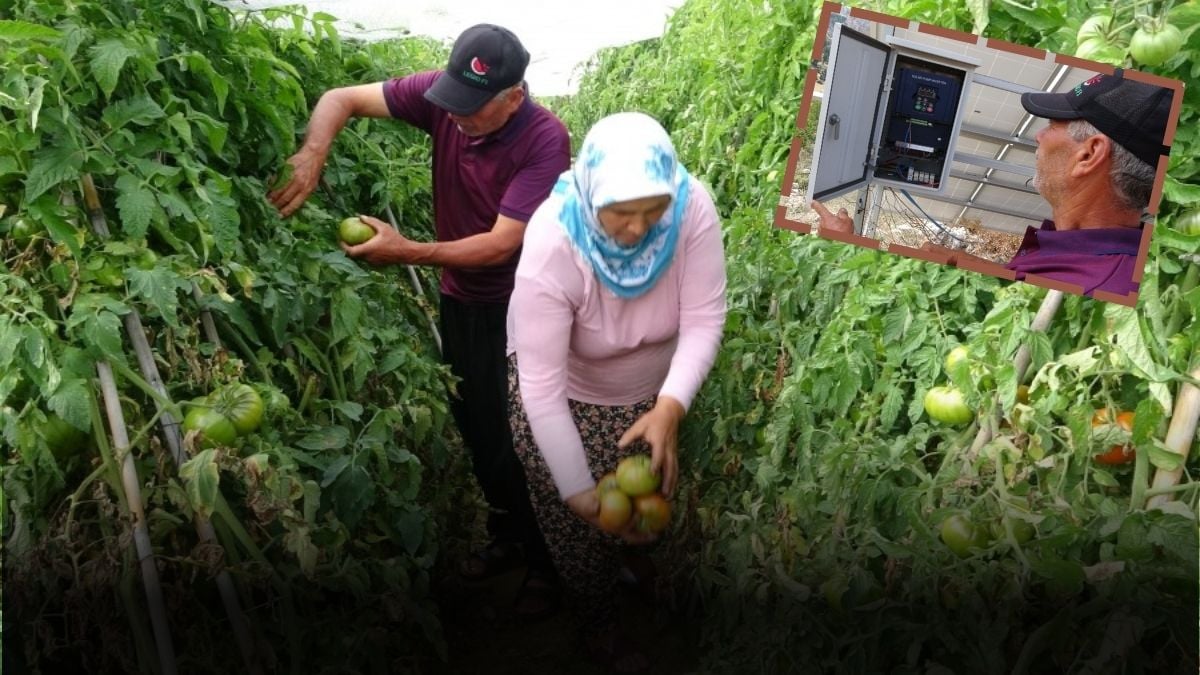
x: 474, y: 337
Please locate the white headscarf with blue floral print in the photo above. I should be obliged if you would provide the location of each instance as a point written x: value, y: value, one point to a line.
x: 625, y: 156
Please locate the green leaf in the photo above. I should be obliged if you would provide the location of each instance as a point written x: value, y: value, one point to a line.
x: 51, y: 166
x: 141, y: 110
x: 347, y: 313
x: 1163, y: 457
x: 352, y: 494
x: 1183, y: 194
x: 328, y: 438
x: 136, y: 205
x: 1062, y: 576
x: 979, y: 15
x: 219, y: 211
x: 48, y: 212
x: 72, y: 402
x: 182, y: 128
x: 350, y: 409
x: 13, y: 31
x: 158, y: 287
x: 108, y: 58
x: 203, y: 482
x: 411, y: 526
x: 893, y: 403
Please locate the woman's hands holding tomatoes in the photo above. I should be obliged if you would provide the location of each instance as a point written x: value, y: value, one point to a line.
x: 659, y: 428
x: 587, y: 505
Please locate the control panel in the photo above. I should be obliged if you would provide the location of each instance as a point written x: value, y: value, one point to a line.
x: 919, y: 124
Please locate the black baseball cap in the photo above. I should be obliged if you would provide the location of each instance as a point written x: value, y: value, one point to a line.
x: 486, y: 59
x: 1133, y: 114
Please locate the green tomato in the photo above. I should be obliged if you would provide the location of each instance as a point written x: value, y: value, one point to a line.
x: 634, y: 476
x: 1098, y: 49
x: 947, y: 405
x: 1022, y: 530
x: 354, y: 231
x: 1153, y: 47
x: 215, y: 429
x: 961, y: 535
x: 146, y: 259
x: 1096, y: 26
x: 1188, y: 223
x: 958, y: 355
x: 62, y: 438
x: 1179, y: 352
x: 22, y: 230
x: 241, y: 404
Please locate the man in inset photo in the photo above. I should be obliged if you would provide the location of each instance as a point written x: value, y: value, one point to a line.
x: 1096, y: 164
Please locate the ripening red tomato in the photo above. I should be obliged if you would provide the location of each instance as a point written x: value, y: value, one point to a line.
x: 1117, y: 454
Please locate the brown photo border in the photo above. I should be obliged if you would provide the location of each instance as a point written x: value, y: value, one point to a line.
x: 992, y: 269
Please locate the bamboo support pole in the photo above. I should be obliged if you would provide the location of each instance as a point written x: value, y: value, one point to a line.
x: 416, y: 284
x: 1041, y: 321
x: 1180, y: 434
x: 141, y: 533
x: 174, y: 440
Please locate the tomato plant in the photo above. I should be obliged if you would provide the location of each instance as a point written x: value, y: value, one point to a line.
x: 635, y: 477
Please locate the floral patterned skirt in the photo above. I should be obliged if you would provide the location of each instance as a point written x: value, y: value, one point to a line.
x: 587, y: 559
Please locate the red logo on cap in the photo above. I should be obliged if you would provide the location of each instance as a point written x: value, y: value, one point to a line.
x: 479, y: 67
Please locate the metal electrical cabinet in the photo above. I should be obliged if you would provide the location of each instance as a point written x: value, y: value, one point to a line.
x: 890, y: 114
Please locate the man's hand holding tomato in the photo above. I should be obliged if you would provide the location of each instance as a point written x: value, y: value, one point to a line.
x: 387, y: 247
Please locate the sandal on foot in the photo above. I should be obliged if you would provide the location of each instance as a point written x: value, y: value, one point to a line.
x: 538, y: 598
x: 497, y: 558
x: 616, y: 652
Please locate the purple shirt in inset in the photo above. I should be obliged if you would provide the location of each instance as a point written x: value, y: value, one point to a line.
x: 508, y: 172
x: 1096, y: 259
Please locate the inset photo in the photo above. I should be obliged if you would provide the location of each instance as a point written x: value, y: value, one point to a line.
x: 989, y: 156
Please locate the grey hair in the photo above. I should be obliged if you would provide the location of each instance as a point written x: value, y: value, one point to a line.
x: 1132, y: 180
x: 503, y: 94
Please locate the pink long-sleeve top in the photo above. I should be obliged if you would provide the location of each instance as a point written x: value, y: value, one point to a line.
x: 575, y: 339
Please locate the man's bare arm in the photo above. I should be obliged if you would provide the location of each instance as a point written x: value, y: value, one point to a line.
x: 330, y: 115
x: 389, y: 247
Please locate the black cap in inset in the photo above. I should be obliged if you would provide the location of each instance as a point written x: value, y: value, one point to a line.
x: 485, y: 60
x: 1133, y: 114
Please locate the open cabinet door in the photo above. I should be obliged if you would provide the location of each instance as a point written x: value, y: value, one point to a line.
x: 846, y: 130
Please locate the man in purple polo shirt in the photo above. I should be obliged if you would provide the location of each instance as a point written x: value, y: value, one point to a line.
x: 1096, y: 163
x: 496, y: 156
